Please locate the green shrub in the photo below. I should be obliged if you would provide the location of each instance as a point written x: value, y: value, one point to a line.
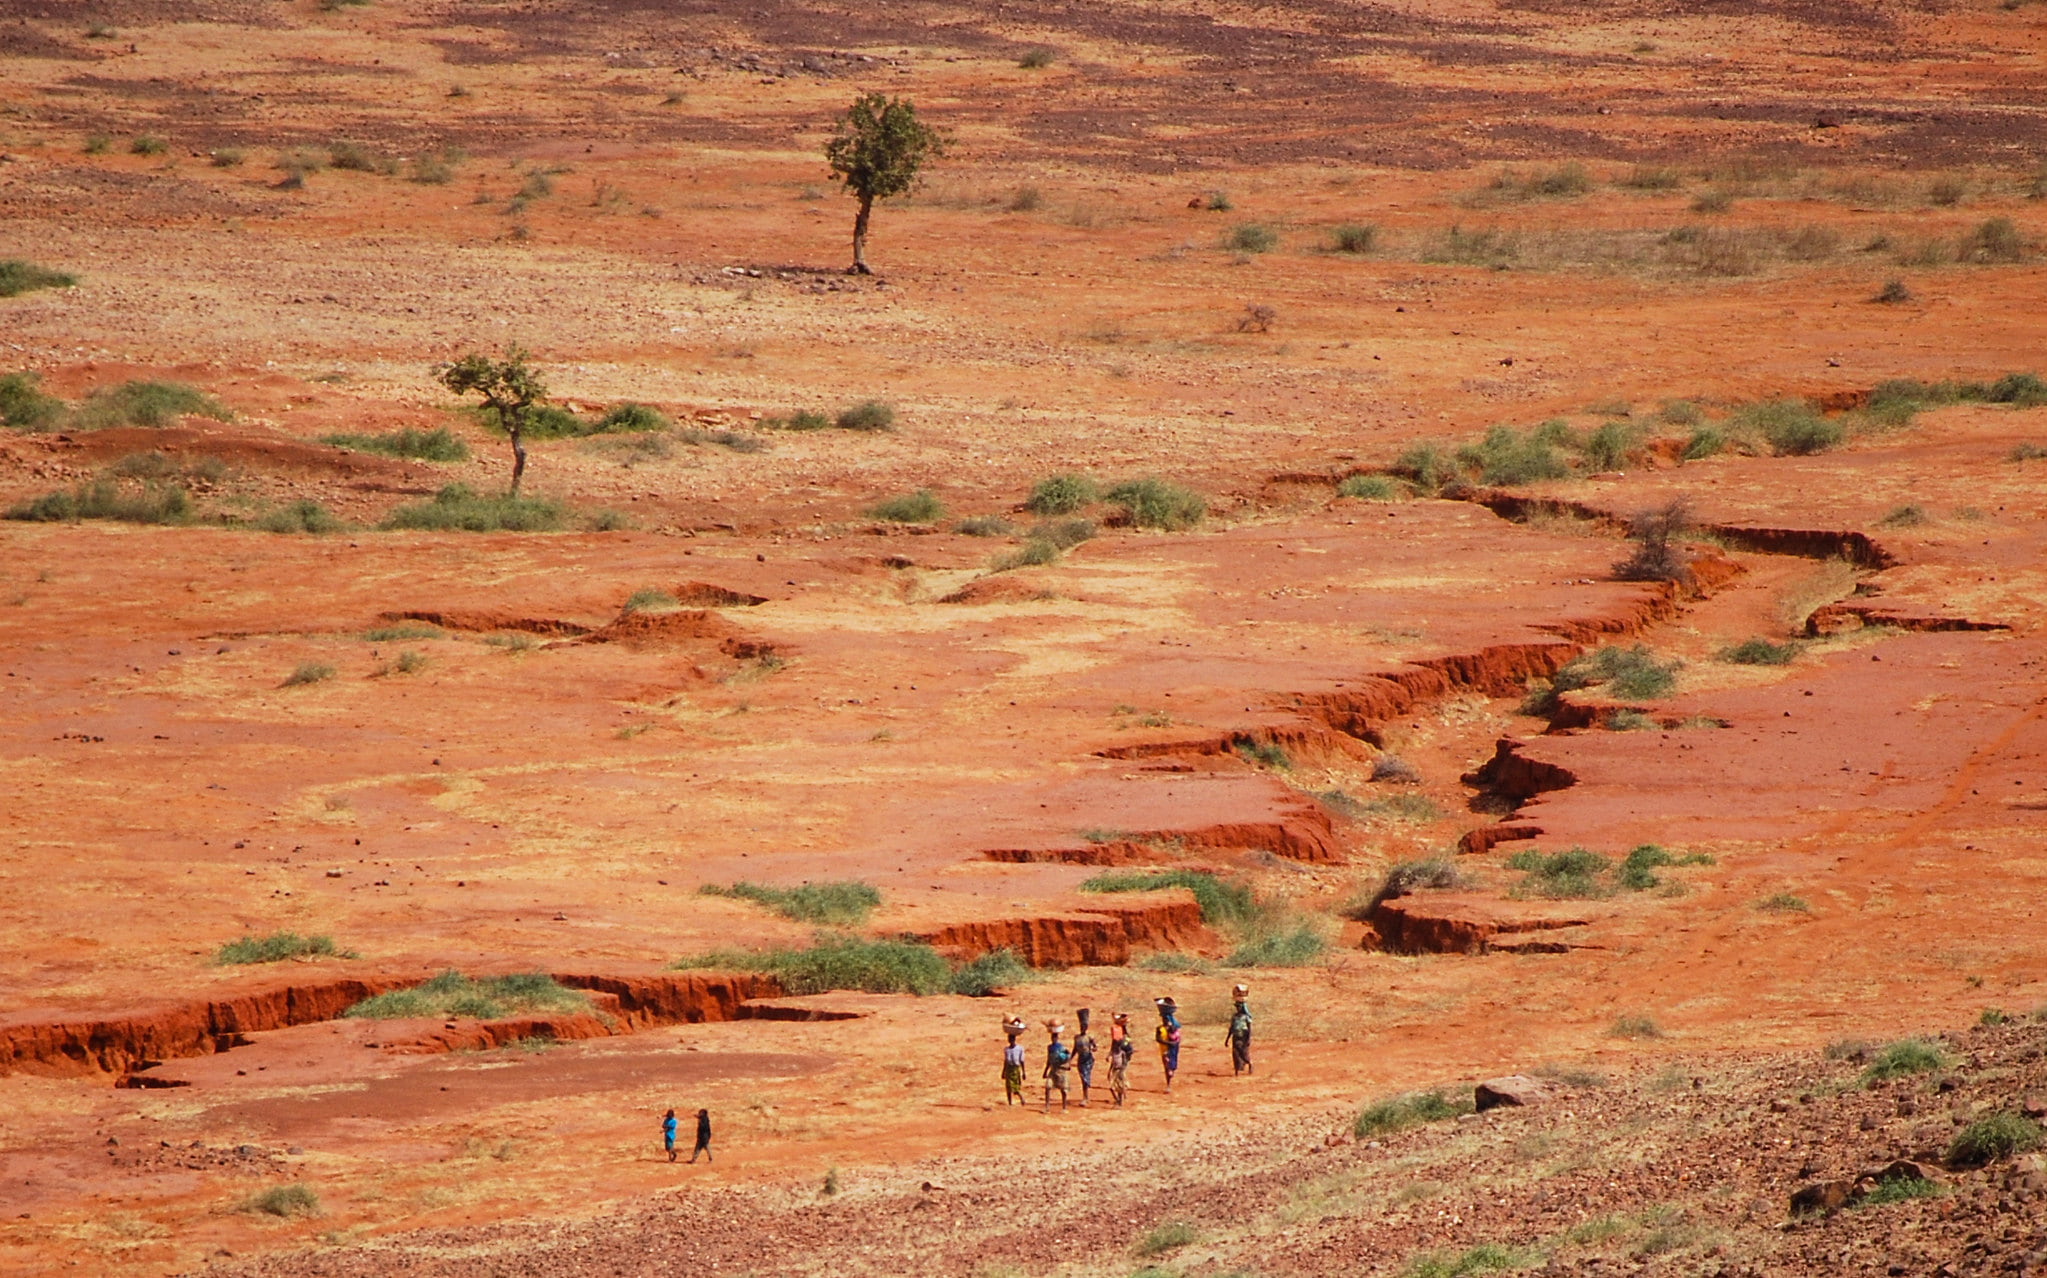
x: 1170, y: 1236
x: 1064, y: 534
x: 1430, y: 466
x: 868, y: 415
x: 1486, y: 1258
x: 308, y: 672
x: 1062, y: 494
x: 1637, y: 871
x: 18, y: 277
x: 1561, y: 876
x: 285, y: 1201
x: 1297, y: 944
x: 104, y: 499
x: 438, y: 444
x: 1406, y: 877
x: 1791, y: 427
x: 1415, y: 809
x: 920, y: 507
x: 1900, y: 1189
x: 1907, y: 516
x: 1651, y: 177
x: 1995, y: 240
x: 142, y: 403
x: 1562, y: 182
x: 2028, y: 452
x: 801, y: 419
x: 631, y: 417
x: 403, y: 632
x: 301, y: 516
x: 1158, y: 503
x: 354, y: 157
x: 986, y: 526
x: 434, y: 170
x: 1627, y: 672
x: 1395, y: 1113
x: 2021, y: 390
x: 148, y: 144
x: 275, y: 948
x: 1035, y: 552
x: 1706, y: 441
x: 1992, y: 1137
x: 1507, y: 456
x: 1760, y: 652
x: 1368, y: 488
x: 1251, y: 237
x: 24, y: 406
x: 1472, y: 248
x: 1905, y: 1057
x: 650, y: 599
x: 1263, y: 754
x: 452, y: 994
x: 1222, y: 901
x: 1354, y: 237
x: 1635, y: 1025
x: 1612, y: 446
x: 1037, y: 57
x: 841, y: 963
x: 1893, y: 293
x: 1784, y: 903
x: 989, y: 974
x: 844, y: 903
x: 459, y: 508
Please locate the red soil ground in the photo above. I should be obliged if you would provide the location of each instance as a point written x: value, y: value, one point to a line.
x: 839, y: 697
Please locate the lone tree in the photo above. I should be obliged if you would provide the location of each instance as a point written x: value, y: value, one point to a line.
x: 510, y: 387
x: 878, y: 149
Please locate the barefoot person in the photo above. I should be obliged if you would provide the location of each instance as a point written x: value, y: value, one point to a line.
x: 1013, y: 1062
x: 1084, y: 1058
x: 668, y: 1134
x: 1239, y: 1033
x: 1121, y: 1049
x: 1169, y: 1037
x: 703, y: 1137
x: 1057, y: 1057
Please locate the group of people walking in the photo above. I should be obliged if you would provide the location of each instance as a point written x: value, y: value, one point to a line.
x: 1064, y: 1059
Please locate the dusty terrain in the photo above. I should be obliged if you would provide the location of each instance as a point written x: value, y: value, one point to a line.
x: 510, y: 770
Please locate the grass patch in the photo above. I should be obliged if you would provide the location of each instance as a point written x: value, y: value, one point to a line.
x: 142, y: 403
x: 868, y: 415
x: 920, y: 507
x: 845, y: 903
x: 990, y: 974
x: 460, y: 508
x: 1996, y: 240
x: 18, y: 277
x: 1295, y: 944
x: 1037, y: 57
x: 1169, y: 1236
x: 1635, y: 1025
x: 629, y: 416
x: 801, y: 419
x: 24, y: 406
x: 1637, y: 872
x: 1507, y: 456
x: 841, y: 963
x: 650, y: 599
x: 276, y: 948
x: 1625, y: 672
x: 986, y: 526
x: 105, y: 499
x: 1791, y: 427
x: 1992, y: 1137
x: 1460, y: 247
x: 284, y: 1201
x: 1396, y: 1113
x: 1354, y: 237
x: 1760, y: 652
x: 1414, y: 809
x: 451, y: 994
x: 1900, y: 1190
x: 1251, y: 237
x: 1262, y: 754
x: 1566, y: 181
x: 1784, y: 903
x: 1222, y: 901
x: 436, y: 445
x: 401, y: 633
x: 1062, y: 495
x: 1906, y: 516
x: 1486, y: 1258
x: 1572, y: 875
x: 1036, y: 552
x: 302, y: 516
x: 1159, y: 503
x: 1904, y: 1058
x: 308, y: 672
x: 1369, y: 488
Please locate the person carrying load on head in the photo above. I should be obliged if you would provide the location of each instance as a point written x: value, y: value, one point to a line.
x: 1013, y: 1062
x: 1168, y: 1035
x: 1084, y: 1058
x: 1239, y: 1034
x: 1121, y: 1049
x: 1057, y: 1057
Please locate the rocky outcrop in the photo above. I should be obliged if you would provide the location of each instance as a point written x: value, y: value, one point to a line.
x: 1484, y: 838
x: 1431, y: 924
x: 481, y: 620
x: 702, y: 594
x: 1836, y: 618
x: 676, y: 998
x: 1517, y: 777
x: 1095, y: 937
x: 1514, y: 1090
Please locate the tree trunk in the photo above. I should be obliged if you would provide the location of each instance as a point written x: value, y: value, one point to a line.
x: 860, y: 266
x: 518, y: 459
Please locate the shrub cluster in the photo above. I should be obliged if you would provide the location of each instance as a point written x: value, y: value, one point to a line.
x: 105, y: 499
x: 484, y: 998
x: 438, y: 444
x: 845, y: 903
x: 1396, y: 1113
x: 1626, y: 672
x: 18, y: 277
x: 457, y: 507
x: 277, y: 947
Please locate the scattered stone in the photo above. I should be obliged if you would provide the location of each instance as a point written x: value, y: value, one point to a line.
x: 1822, y: 1197
x: 1513, y: 1089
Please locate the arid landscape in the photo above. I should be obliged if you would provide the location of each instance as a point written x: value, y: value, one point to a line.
x: 1513, y: 530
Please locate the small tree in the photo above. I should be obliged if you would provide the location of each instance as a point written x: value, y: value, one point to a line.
x: 877, y: 152
x: 510, y: 387
x: 1658, y: 556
